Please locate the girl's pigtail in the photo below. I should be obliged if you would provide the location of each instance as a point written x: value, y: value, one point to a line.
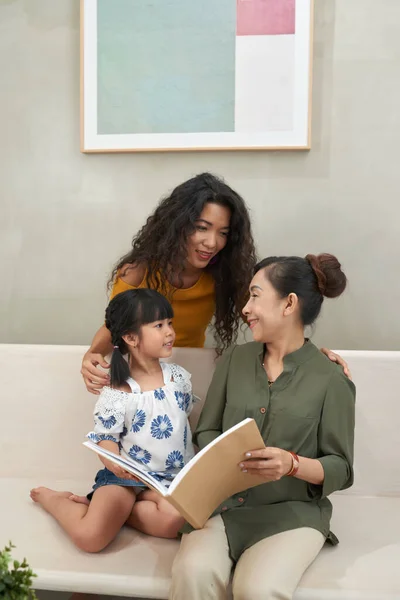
x: 119, y: 368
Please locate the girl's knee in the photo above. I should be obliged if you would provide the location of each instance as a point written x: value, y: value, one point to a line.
x: 90, y: 541
x: 170, y: 525
x: 170, y: 521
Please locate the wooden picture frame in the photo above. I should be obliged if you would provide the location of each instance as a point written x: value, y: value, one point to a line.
x: 232, y: 75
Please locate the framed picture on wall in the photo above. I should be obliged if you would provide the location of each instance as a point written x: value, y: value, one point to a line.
x: 171, y: 75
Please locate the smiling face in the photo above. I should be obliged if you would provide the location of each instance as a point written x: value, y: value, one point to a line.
x: 266, y: 311
x: 155, y: 340
x: 211, y: 235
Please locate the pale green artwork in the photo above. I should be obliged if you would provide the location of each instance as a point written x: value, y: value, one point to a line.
x: 165, y: 66
x: 195, y: 75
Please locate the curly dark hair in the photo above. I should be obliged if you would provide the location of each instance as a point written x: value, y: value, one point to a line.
x: 161, y: 246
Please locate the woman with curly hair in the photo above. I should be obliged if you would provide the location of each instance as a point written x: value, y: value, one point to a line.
x: 197, y: 249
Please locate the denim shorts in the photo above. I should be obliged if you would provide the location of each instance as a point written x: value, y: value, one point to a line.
x: 106, y: 477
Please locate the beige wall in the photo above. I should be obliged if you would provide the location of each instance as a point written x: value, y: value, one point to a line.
x: 66, y: 217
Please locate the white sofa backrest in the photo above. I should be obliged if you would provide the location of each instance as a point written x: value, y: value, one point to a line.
x: 377, y: 444
x: 46, y: 412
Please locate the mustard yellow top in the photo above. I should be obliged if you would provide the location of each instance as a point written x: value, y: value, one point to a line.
x: 193, y: 308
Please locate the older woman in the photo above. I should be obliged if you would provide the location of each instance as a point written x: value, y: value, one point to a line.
x: 303, y: 405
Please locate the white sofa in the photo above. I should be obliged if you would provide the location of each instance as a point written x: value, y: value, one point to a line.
x: 45, y: 413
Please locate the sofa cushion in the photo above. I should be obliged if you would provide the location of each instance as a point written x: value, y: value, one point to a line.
x: 365, y: 565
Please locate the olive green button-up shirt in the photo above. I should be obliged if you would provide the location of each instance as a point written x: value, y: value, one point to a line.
x: 309, y: 410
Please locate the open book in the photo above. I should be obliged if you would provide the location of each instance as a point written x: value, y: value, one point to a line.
x: 211, y: 477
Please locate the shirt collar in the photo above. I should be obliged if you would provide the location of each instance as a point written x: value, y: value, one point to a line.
x: 296, y: 358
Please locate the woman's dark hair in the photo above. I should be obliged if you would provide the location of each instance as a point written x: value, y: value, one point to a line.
x: 310, y: 278
x: 126, y: 313
x: 161, y: 245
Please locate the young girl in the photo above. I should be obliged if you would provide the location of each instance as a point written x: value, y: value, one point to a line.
x: 144, y: 417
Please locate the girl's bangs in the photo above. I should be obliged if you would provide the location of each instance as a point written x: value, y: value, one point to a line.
x: 158, y: 309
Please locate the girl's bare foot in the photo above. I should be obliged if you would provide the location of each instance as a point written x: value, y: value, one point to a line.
x: 79, y: 499
x: 41, y: 494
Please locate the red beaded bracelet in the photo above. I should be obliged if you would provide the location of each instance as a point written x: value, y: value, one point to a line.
x: 295, y: 464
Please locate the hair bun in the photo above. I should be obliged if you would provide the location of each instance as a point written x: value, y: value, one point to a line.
x: 328, y: 271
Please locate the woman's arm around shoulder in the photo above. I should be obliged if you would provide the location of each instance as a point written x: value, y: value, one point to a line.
x: 338, y: 360
x: 94, y: 377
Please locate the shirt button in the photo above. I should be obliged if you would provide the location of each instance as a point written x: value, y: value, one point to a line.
x: 240, y: 499
x: 224, y: 508
x: 262, y: 410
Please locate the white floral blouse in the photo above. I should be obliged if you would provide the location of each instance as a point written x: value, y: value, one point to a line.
x: 150, y: 427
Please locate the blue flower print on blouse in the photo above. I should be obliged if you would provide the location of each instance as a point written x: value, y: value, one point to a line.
x: 161, y: 427
x: 138, y: 421
x: 185, y: 433
x: 174, y: 461
x: 108, y: 423
x: 139, y: 454
x: 183, y: 400
x: 124, y: 431
x: 101, y: 437
x: 179, y: 397
x: 159, y: 394
x: 187, y: 401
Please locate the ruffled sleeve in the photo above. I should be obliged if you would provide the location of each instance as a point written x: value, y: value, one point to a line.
x: 183, y: 383
x: 109, y: 416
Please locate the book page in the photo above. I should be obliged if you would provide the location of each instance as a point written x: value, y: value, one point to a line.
x: 133, y: 468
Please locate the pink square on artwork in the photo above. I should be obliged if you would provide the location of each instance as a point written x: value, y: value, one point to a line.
x: 265, y: 17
